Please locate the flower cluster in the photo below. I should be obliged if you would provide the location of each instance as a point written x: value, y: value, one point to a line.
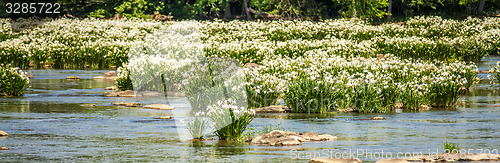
x: 73, y: 43
x: 227, y: 118
x: 13, y: 81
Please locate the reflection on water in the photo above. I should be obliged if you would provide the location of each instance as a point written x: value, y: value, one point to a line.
x: 49, y: 123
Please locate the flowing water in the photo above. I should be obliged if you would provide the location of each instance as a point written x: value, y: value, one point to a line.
x: 49, y: 124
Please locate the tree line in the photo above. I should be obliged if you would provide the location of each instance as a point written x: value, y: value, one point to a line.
x: 281, y: 9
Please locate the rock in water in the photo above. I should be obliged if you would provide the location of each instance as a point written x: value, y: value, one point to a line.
x: 4, y: 148
x: 3, y: 133
x: 158, y: 106
x: 107, y: 75
x: 127, y: 93
x: 165, y: 117
x: 88, y: 105
x: 282, y: 138
x: 378, y: 118
x: 110, y: 88
x: 273, y: 109
x: 72, y: 77
x: 334, y: 160
x: 127, y: 104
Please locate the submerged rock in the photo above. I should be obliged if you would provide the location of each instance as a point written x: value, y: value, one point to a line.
x: 282, y: 138
x: 127, y: 93
x: 3, y: 133
x: 127, y: 104
x: 108, y: 75
x: 334, y: 160
x: 273, y: 109
x: 158, y: 106
x: 73, y: 78
x: 4, y: 148
x: 165, y: 117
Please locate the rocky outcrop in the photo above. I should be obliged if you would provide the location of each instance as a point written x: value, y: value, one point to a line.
x: 111, y: 75
x: 334, y: 160
x: 273, y: 109
x: 3, y: 133
x: 158, y: 106
x: 282, y: 138
x: 73, y: 78
x: 127, y: 104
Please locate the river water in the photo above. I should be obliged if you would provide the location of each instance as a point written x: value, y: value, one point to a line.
x: 49, y: 124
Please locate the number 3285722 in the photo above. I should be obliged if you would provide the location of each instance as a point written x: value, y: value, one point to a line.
x: 33, y: 8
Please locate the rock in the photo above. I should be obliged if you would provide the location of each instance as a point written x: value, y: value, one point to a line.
x: 282, y: 138
x: 127, y: 93
x: 273, y: 109
x: 110, y: 88
x: 127, y: 104
x: 378, y: 118
x: 4, y: 148
x: 424, y: 107
x: 484, y: 71
x: 30, y: 76
x: 251, y: 65
x: 27, y: 129
x: 73, y: 78
x: 88, y: 105
x: 158, y: 106
x: 165, y: 117
x: 157, y: 16
x: 111, y: 75
x: 3, y: 133
x: 392, y: 161
x: 334, y: 160
x: 347, y: 110
x: 113, y: 67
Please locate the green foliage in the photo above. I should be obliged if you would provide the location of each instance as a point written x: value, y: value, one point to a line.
x: 496, y: 71
x: 123, y: 82
x: 451, y: 148
x: 197, y: 127
x: 99, y: 13
x: 365, y: 9
x: 13, y: 81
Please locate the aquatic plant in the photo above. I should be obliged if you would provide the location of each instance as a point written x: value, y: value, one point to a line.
x: 496, y: 71
x: 197, y: 127
x: 451, y: 148
x: 228, y: 120
x: 13, y: 81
